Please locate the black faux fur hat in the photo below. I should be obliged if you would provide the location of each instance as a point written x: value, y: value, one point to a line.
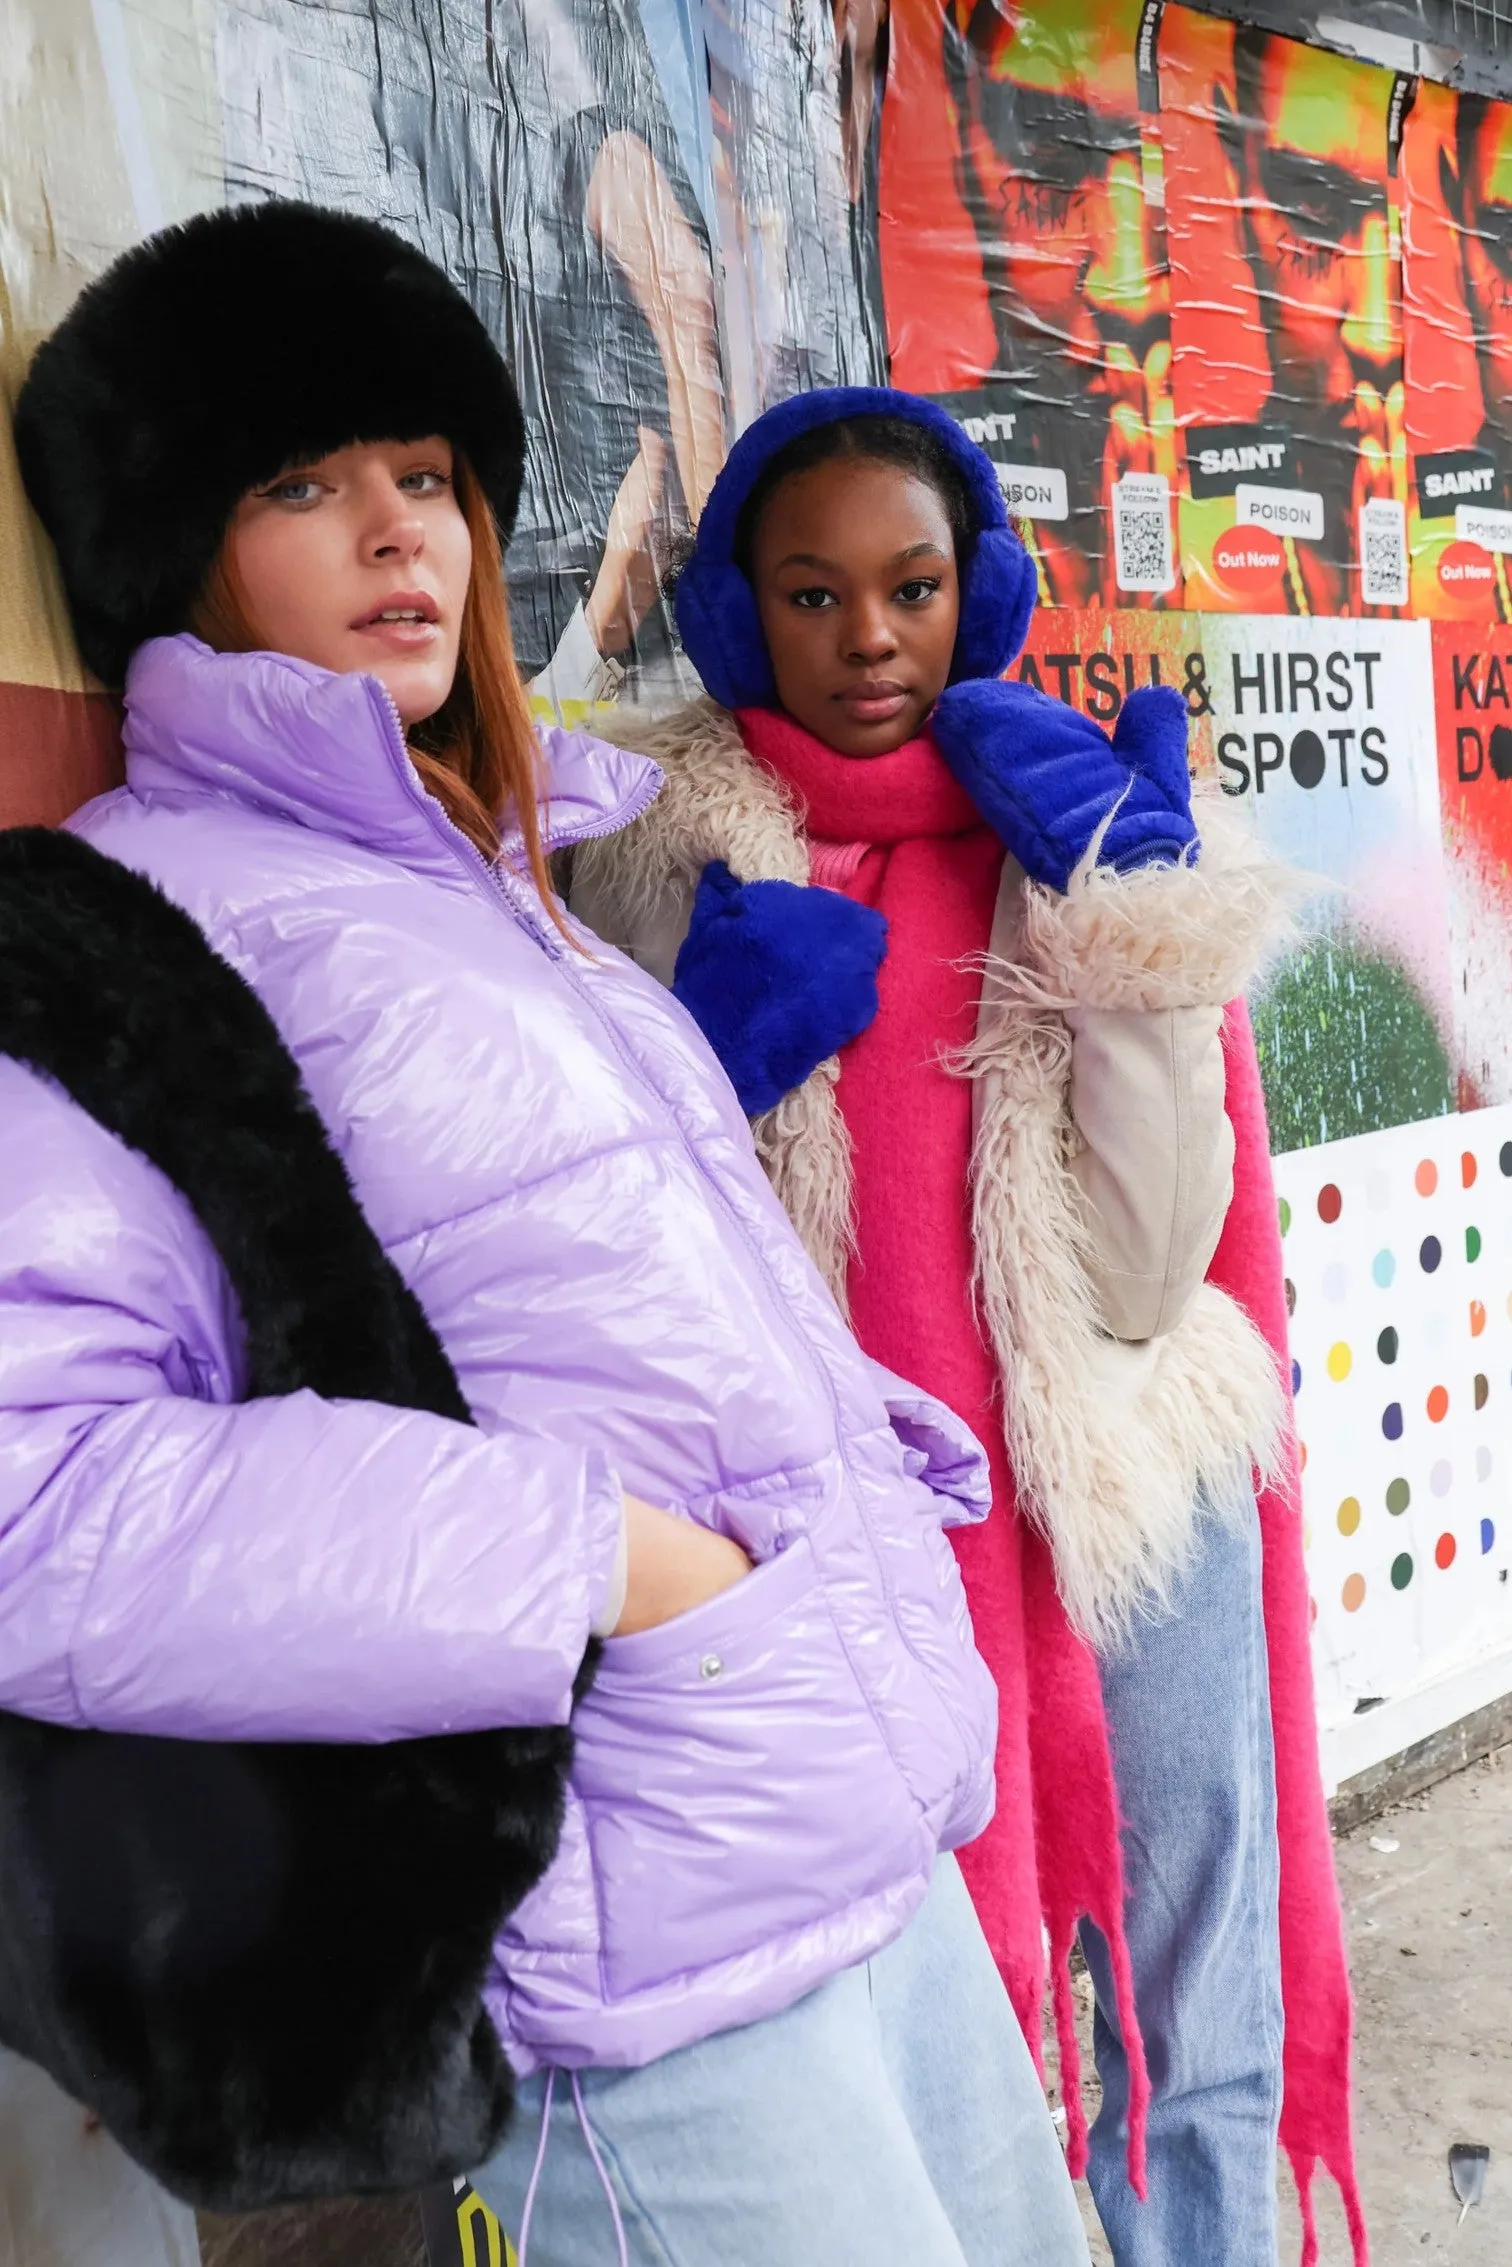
x: 216, y: 353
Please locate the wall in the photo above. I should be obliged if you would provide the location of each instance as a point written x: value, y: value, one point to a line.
x: 1232, y: 314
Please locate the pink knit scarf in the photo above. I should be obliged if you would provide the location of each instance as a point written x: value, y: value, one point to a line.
x: 898, y: 833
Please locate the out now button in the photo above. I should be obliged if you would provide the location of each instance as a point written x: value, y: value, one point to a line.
x: 1249, y: 559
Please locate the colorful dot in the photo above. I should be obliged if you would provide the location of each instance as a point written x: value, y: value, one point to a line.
x: 1312, y: 1613
x: 1483, y: 1464
x: 1383, y: 1268
x: 1301, y: 1456
x: 1472, y: 1243
x: 1504, y: 1158
x: 1349, y: 1515
x: 1443, y: 1552
x: 1388, y: 1345
x: 1352, y: 1596
x: 1283, y: 1209
x: 1441, y: 1478
x: 1398, y: 1497
x: 1291, y: 1296
x: 1401, y: 1570
x: 1438, y: 1404
x: 1468, y: 1169
x: 1425, y: 1179
x: 1335, y: 1282
x: 1430, y: 1252
x: 1330, y: 1203
x: 1296, y: 1377
x: 1488, y: 1535
x: 1477, y: 1318
x: 1340, y: 1360
x: 1391, y: 1420
x: 1482, y: 1390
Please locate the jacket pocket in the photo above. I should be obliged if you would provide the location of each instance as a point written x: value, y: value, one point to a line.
x: 736, y: 1783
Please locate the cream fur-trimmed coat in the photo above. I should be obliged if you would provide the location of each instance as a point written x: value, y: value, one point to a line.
x: 1102, y: 1155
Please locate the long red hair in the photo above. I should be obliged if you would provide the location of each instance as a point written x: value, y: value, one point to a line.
x: 478, y: 755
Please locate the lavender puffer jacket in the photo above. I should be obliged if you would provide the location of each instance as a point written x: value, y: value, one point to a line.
x: 558, y: 1168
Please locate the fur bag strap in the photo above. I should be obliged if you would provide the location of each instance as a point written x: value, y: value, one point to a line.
x: 717, y: 802
x: 261, y: 1964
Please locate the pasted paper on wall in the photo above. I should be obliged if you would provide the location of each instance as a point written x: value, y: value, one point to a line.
x: 1457, y: 233
x: 1398, y: 1253
x: 1324, y: 730
x: 1024, y: 267
x: 1286, y: 292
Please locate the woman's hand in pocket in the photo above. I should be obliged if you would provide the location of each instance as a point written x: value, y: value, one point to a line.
x: 674, y: 1565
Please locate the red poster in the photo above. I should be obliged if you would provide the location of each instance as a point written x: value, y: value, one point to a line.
x: 1457, y: 238
x: 1024, y: 271
x: 1472, y: 674
x: 1286, y: 321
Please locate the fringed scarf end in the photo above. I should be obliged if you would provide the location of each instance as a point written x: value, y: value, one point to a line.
x: 1303, y: 2169
x: 1133, y: 2045
x: 1340, y: 2167
x: 1070, y: 2059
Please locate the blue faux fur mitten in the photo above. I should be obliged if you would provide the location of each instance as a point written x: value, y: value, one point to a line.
x: 778, y: 977
x: 1044, y: 777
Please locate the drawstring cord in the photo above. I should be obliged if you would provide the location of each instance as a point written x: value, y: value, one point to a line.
x: 540, y: 2160
x: 535, y: 2170
x: 598, y: 2166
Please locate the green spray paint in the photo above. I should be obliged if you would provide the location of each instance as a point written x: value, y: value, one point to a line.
x: 1346, y: 1046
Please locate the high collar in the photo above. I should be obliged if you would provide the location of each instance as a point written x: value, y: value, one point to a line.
x: 876, y: 799
x: 326, y: 751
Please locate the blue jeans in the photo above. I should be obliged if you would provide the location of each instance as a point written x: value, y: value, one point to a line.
x: 891, y: 2116
x: 1188, y: 1708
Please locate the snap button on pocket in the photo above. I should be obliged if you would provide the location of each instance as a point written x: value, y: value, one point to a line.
x: 710, y: 1666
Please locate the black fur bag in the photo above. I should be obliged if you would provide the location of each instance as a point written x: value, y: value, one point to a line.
x: 261, y: 1965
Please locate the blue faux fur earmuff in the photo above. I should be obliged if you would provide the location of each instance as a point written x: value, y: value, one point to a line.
x: 716, y: 606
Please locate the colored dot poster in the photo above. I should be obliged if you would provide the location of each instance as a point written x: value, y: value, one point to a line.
x: 1385, y: 1038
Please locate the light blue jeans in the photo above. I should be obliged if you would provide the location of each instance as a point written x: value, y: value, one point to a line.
x: 890, y: 2119
x: 1188, y: 1708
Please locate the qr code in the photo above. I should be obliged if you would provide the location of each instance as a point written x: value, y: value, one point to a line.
x: 1142, y: 554
x: 1383, y: 552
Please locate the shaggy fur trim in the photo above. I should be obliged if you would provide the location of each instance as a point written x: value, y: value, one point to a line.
x: 210, y: 357
x: 261, y: 1965
x: 1183, y: 936
x: 717, y: 803
x: 1113, y: 1446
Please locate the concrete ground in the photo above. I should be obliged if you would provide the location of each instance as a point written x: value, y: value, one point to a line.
x: 1430, y: 1927
x: 1430, y: 1931
x: 1430, y: 1923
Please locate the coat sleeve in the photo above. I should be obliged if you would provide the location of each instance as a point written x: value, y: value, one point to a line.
x: 1155, y: 1169
x: 939, y: 1448
x: 173, y: 1561
x: 1141, y: 966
